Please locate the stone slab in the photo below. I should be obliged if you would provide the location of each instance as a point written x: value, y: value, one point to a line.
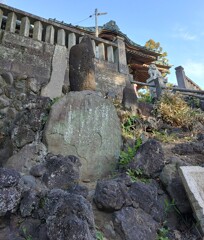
x: 193, y: 181
x: 86, y: 125
x: 59, y: 66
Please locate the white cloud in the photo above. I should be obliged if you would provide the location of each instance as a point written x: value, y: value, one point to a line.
x: 183, y: 33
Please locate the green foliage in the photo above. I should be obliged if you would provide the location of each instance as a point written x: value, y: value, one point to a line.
x: 26, y: 236
x: 137, y: 175
x: 169, y: 206
x: 162, y: 233
x: 193, y: 102
x: 155, y: 46
x: 127, y: 156
x: 130, y: 125
x: 54, y: 100
x: 144, y: 95
x: 99, y: 235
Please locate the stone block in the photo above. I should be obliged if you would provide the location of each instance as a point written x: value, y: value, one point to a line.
x: 59, y: 66
x: 193, y: 181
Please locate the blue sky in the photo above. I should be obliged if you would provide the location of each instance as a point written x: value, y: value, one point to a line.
x: 177, y: 24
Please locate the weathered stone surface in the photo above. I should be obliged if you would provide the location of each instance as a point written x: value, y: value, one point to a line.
x: 34, y: 85
x: 81, y: 66
x: 111, y: 195
x: 192, y: 179
x: 85, y: 125
x: 38, y: 170
x: 22, y: 135
x: 189, y: 148
x: 29, y: 156
x: 30, y: 121
x: 172, y: 181
x: 59, y: 66
x: 129, y: 98
x: 10, y: 190
x: 108, y: 79
x: 29, y: 202
x: 8, y: 77
x: 135, y: 224
x: 6, y: 149
x: 4, y: 102
x: 61, y: 172
x: 149, y: 158
x: 190, y: 152
x: 146, y: 196
x: 69, y: 216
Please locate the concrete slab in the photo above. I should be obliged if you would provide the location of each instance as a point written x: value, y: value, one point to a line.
x: 193, y: 181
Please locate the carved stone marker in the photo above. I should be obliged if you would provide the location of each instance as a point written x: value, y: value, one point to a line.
x: 86, y: 125
x: 193, y: 180
x: 81, y: 66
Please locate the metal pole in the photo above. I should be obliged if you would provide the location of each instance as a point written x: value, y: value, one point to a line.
x: 96, y: 22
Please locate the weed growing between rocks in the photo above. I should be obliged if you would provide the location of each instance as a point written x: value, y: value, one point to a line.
x: 163, y: 233
x: 127, y: 156
x: 99, y: 235
x: 131, y: 125
x: 137, y: 175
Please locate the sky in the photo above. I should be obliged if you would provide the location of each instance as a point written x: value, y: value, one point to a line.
x: 177, y: 24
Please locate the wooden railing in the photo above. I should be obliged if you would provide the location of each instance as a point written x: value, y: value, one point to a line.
x: 52, y: 32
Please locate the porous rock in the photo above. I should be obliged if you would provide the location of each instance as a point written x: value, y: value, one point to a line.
x: 135, y: 224
x: 149, y: 158
x: 61, y: 172
x: 10, y: 190
x: 147, y: 197
x: 69, y: 216
x: 111, y: 195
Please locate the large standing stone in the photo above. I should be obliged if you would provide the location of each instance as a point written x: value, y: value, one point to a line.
x: 81, y: 65
x: 86, y: 125
x: 59, y: 64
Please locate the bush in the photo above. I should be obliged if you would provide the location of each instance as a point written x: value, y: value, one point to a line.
x: 175, y: 111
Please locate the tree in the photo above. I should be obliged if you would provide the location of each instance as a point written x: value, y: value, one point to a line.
x: 162, y: 59
x: 155, y: 46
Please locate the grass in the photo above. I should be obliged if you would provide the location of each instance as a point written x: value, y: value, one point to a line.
x: 175, y: 111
